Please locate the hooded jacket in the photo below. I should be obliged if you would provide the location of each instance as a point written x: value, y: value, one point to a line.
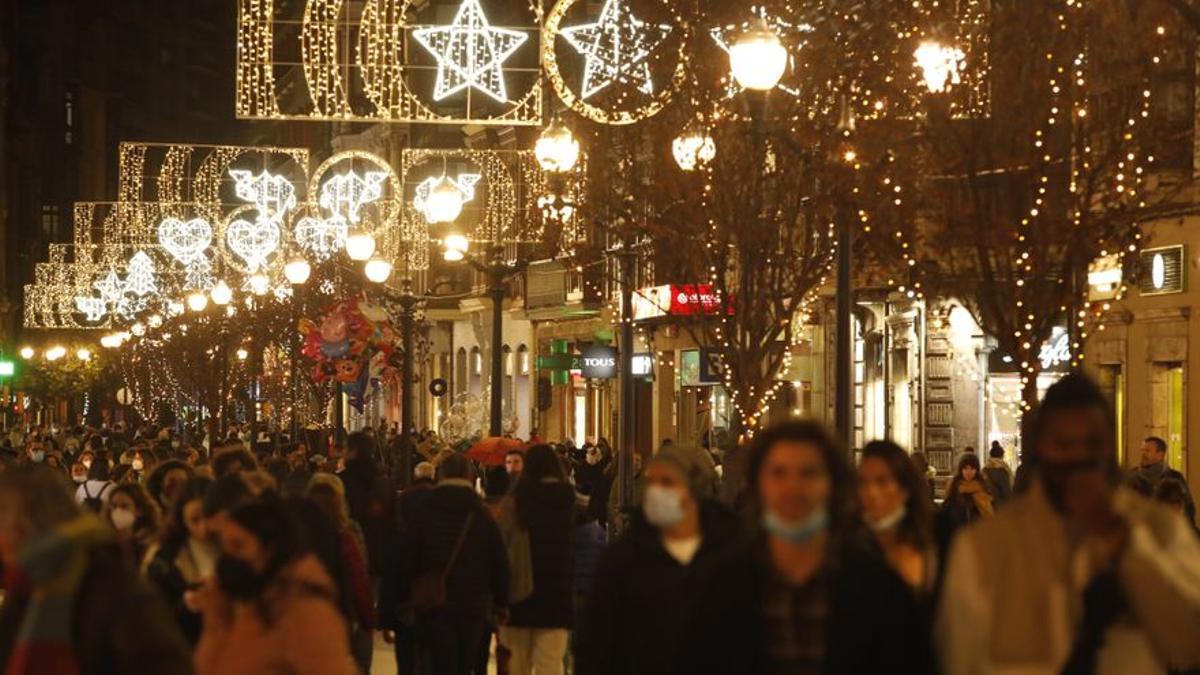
x: 639, y: 598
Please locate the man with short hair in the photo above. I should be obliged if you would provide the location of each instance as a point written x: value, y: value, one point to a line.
x: 1153, y: 470
x: 514, y: 464
x: 1079, y: 574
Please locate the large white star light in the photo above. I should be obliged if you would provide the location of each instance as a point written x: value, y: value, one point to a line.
x: 465, y: 183
x: 470, y: 53
x: 616, y: 48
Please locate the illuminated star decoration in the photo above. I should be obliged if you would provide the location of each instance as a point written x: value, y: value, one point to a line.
x: 616, y: 48
x: 470, y: 52
x: 465, y: 183
x: 724, y: 36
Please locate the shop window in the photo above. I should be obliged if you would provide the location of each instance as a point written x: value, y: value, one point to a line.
x: 1168, y: 401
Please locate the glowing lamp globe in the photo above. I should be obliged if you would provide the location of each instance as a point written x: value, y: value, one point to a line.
x: 377, y: 270
x: 154, y: 320
x: 556, y: 149
x: 137, y: 329
x: 197, y: 301
x: 27, y: 353
x: 297, y: 271
x: 259, y: 284
x: 455, y: 247
x: 110, y: 341
x: 692, y: 149
x: 360, y: 246
x: 242, y: 354
x: 56, y: 352
x: 83, y: 354
x: 444, y: 203
x: 221, y: 294
x: 757, y: 59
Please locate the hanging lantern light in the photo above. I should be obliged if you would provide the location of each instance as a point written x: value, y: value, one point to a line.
x: 221, y: 293
x: 556, y: 149
x: 444, y: 203
x: 455, y: 247
x: 693, y: 148
x: 360, y: 246
x: 377, y: 270
x: 297, y: 271
x: 757, y: 59
x: 259, y: 284
x: 83, y: 354
x: 197, y: 301
x: 56, y: 352
x: 27, y: 353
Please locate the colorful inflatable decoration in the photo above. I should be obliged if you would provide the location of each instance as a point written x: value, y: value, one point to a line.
x: 353, y: 344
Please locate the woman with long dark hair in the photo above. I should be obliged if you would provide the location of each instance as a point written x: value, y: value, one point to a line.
x: 185, y: 555
x: 273, y: 607
x: 543, y: 506
x: 805, y: 593
x: 896, y: 509
x: 969, y: 496
x: 136, y: 519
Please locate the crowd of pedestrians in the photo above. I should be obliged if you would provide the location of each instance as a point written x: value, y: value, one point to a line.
x: 129, y: 551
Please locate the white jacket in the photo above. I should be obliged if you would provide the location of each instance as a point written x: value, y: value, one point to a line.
x: 1013, y: 594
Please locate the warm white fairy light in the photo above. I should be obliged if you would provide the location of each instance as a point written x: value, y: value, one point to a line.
x: 692, y: 149
x: 321, y: 237
x: 345, y: 194
x: 253, y: 241
x: 616, y: 49
x: 470, y: 52
x: 274, y: 195
x: 185, y: 240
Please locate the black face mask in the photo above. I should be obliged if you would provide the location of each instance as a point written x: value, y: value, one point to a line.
x: 238, y: 579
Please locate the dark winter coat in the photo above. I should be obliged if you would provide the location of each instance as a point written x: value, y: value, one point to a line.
x: 551, y: 525
x: 870, y: 629
x: 640, y: 595
x: 121, y: 624
x: 371, y: 505
x: 479, y: 579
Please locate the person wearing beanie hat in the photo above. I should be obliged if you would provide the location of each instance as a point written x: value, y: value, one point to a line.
x: 642, y: 583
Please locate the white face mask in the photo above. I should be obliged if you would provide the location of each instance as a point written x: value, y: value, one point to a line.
x: 138, y: 465
x: 122, y: 518
x: 888, y: 522
x: 662, y: 506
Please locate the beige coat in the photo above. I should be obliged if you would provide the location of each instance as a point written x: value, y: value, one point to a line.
x: 308, y: 635
x: 1013, y: 595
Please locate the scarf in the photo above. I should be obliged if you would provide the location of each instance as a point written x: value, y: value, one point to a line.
x: 50, y: 569
x: 975, y: 490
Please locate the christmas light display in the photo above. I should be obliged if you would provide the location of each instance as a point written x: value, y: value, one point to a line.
x: 616, y: 48
x: 470, y: 52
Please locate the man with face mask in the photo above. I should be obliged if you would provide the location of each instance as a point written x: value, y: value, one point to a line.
x: 1079, y: 574
x: 643, y: 582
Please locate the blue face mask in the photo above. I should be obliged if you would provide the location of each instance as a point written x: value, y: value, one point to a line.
x: 795, y: 532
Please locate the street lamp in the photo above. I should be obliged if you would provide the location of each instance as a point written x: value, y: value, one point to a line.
x: 377, y: 270
x: 221, y: 294
x: 297, y: 271
x: 444, y: 203
x: 693, y: 148
x: 197, y: 301
x: 456, y: 247
x: 56, y: 352
x: 360, y: 246
x: 940, y: 65
x: 27, y: 353
x: 757, y: 59
x: 556, y: 149
x: 259, y: 284
x: 138, y: 329
x: 83, y: 354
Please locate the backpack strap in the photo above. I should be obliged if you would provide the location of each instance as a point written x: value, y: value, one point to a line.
x: 462, y: 537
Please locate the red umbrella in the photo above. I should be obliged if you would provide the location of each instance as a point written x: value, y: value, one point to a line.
x: 491, y: 450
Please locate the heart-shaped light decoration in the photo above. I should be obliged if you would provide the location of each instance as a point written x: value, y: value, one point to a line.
x: 185, y: 240
x: 321, y: 237
x: 253, y: 242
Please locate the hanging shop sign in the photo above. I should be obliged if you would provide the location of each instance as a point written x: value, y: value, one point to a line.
x: 598, y: 362
x: 676, y: 300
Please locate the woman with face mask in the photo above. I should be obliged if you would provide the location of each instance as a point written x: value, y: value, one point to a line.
x: 184, y: 555
x: 272, y: 607
x: 896, y: 509
x: 643, y: 582
x: 968, y: 499
x: 805, y: 593
x: 136, y: 519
